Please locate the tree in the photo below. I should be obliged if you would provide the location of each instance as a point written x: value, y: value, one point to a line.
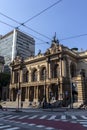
x: 4, y: 79
x: 4, y: 82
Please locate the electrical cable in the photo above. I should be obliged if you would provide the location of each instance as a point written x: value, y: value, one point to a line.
x: 57, y: 2
x: 9, y: 18
x: 24, y: 26
x: 22, y: 31
x: 72, y: 37
x: 37, y: 32
x: 7, y: 24
x: 35, y: 37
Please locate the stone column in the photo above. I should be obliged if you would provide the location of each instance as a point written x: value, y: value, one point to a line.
x: 47, y: 93
x: 38, y: 73
x: 12, y: 78
x: 11, y: 94
x: 49, y: 72
x: 21, y: 76
x: 61, y: 90
x: 81, y: 90
x: 28, y: 93
x: 50, y: 92
x: 37, y: 93
x: 60, y: 67
x: 30, y: 78
x: 34, y: 93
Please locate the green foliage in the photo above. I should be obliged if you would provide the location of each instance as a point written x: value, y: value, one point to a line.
x: 4, y: 79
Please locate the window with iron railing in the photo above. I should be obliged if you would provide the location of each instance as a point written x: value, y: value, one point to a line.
x: 54, y: 71
x: 34, y: 75
x: 25, y: 76
x: 73, y: 70
x: 16, y: 74
x: 43, y: 74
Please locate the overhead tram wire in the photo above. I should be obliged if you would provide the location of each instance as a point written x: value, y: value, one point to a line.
x: 7, y: 24
x: 36, y: 32
x: 35, y: 37
x: 73, y: 37
x: 24, y: 26
x: 57, y: 2
x: 9, y: 18
x: 67, y: 38
x: 19, y: 29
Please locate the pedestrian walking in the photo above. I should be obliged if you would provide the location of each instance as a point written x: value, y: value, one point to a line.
x: 21, y: 105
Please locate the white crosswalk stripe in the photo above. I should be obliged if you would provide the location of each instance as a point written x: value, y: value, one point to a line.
x: 43, y: 117
x: 49, y: 128
x: 32, y: 117
x: 73, y: 117
x: 23, y: 117
x: 83, y: 122
x: 8, y: 127
x: 7, y: 116
x: 52, y: 117
x: 15, y: 128
x: 81, y: 119
x: 84, y: 117
x: 40, y: 126
x: 48, y: 117
x: 85, y: 125
x: 13, y: 117
x: 63, y: 117
x: 5, y: 126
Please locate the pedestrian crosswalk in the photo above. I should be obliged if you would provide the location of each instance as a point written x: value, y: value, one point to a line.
x: 42, y: 116
x: 82, y: 119
x: 8, y: 127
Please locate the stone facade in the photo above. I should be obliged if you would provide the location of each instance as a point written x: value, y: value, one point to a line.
x: 60, y: 74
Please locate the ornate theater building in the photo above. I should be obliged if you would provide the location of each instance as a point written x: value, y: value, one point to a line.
x: 60, y: 74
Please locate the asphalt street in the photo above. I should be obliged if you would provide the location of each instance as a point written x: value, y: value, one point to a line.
x: 39, y: 119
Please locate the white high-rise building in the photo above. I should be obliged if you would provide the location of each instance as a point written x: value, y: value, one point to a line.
x: 16, y: 43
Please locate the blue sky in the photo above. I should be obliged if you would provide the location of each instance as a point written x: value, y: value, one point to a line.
x: 68, y: 18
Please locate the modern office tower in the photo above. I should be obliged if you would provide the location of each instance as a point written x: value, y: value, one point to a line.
x: 16, y: 43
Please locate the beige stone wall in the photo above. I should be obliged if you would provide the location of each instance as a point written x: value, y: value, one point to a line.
x: 58, y: 86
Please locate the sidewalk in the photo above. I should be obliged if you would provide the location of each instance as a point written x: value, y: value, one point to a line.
x: 57, y: 110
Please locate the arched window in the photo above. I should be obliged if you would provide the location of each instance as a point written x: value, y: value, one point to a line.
x: 74, y: 92
x: 43, y: 73
x: 82, y: 72
x: 25, y: 76
x: 73, y: 70
x: 16, y: 74
x: 55, y: 71
x: 34, y: 75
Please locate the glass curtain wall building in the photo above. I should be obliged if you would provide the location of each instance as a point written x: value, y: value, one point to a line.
x: 16, y: 43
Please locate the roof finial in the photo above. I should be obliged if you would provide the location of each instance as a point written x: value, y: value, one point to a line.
x: 55, y: 39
